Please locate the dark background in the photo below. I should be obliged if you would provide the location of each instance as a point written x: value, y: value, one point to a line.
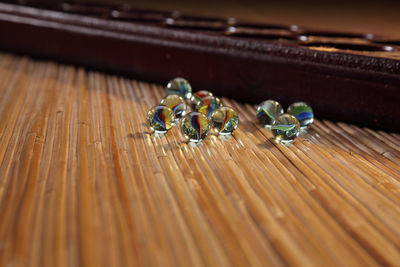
x: 358, y: 84
x: 380, y: 17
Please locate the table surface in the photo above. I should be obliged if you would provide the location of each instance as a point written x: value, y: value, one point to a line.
x: 84, y: 183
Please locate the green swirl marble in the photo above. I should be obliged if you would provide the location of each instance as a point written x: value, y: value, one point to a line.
x: 267, y: 111
x: 303, y: 112
x: 285, y: 128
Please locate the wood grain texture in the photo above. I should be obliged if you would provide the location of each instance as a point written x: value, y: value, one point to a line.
x: 84, y: 183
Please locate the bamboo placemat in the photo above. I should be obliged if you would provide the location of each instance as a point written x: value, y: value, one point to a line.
x: 84, y: 183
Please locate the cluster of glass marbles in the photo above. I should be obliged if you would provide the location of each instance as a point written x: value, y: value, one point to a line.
x: 285, y: 127
x: 197, y: 112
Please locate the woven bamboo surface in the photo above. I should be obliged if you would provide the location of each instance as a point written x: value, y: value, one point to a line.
x: 84, y: 183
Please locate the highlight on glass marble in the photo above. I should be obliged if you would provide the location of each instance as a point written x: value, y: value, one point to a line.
x: 160, y: 119
x: 179, y: 86
x: 195, y: 126
x: 285, y: 128
x: 303, y: 112
x: 267, y: 111
x: 207, y: 105
x: 224, y: 120
x: 199, y: 95
x: 176, y: 103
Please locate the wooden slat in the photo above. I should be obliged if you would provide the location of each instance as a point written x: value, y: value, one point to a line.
x: 84, y: 183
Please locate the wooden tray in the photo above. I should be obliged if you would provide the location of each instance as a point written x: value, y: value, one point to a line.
x: 84, y: 183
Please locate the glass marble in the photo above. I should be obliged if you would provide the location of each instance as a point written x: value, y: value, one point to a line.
x: 285, y: 128
x: 303, y: 112
x: 208, y: 104
x: 198, y: 96
x: 224, y: 120
x: 160, y: 119
x: 176, y: 103
x: 267, y: 111
x: 179, y: 86
x: 195, y: 126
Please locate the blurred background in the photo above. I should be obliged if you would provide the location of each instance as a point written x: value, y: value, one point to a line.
x: 380, y: 17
